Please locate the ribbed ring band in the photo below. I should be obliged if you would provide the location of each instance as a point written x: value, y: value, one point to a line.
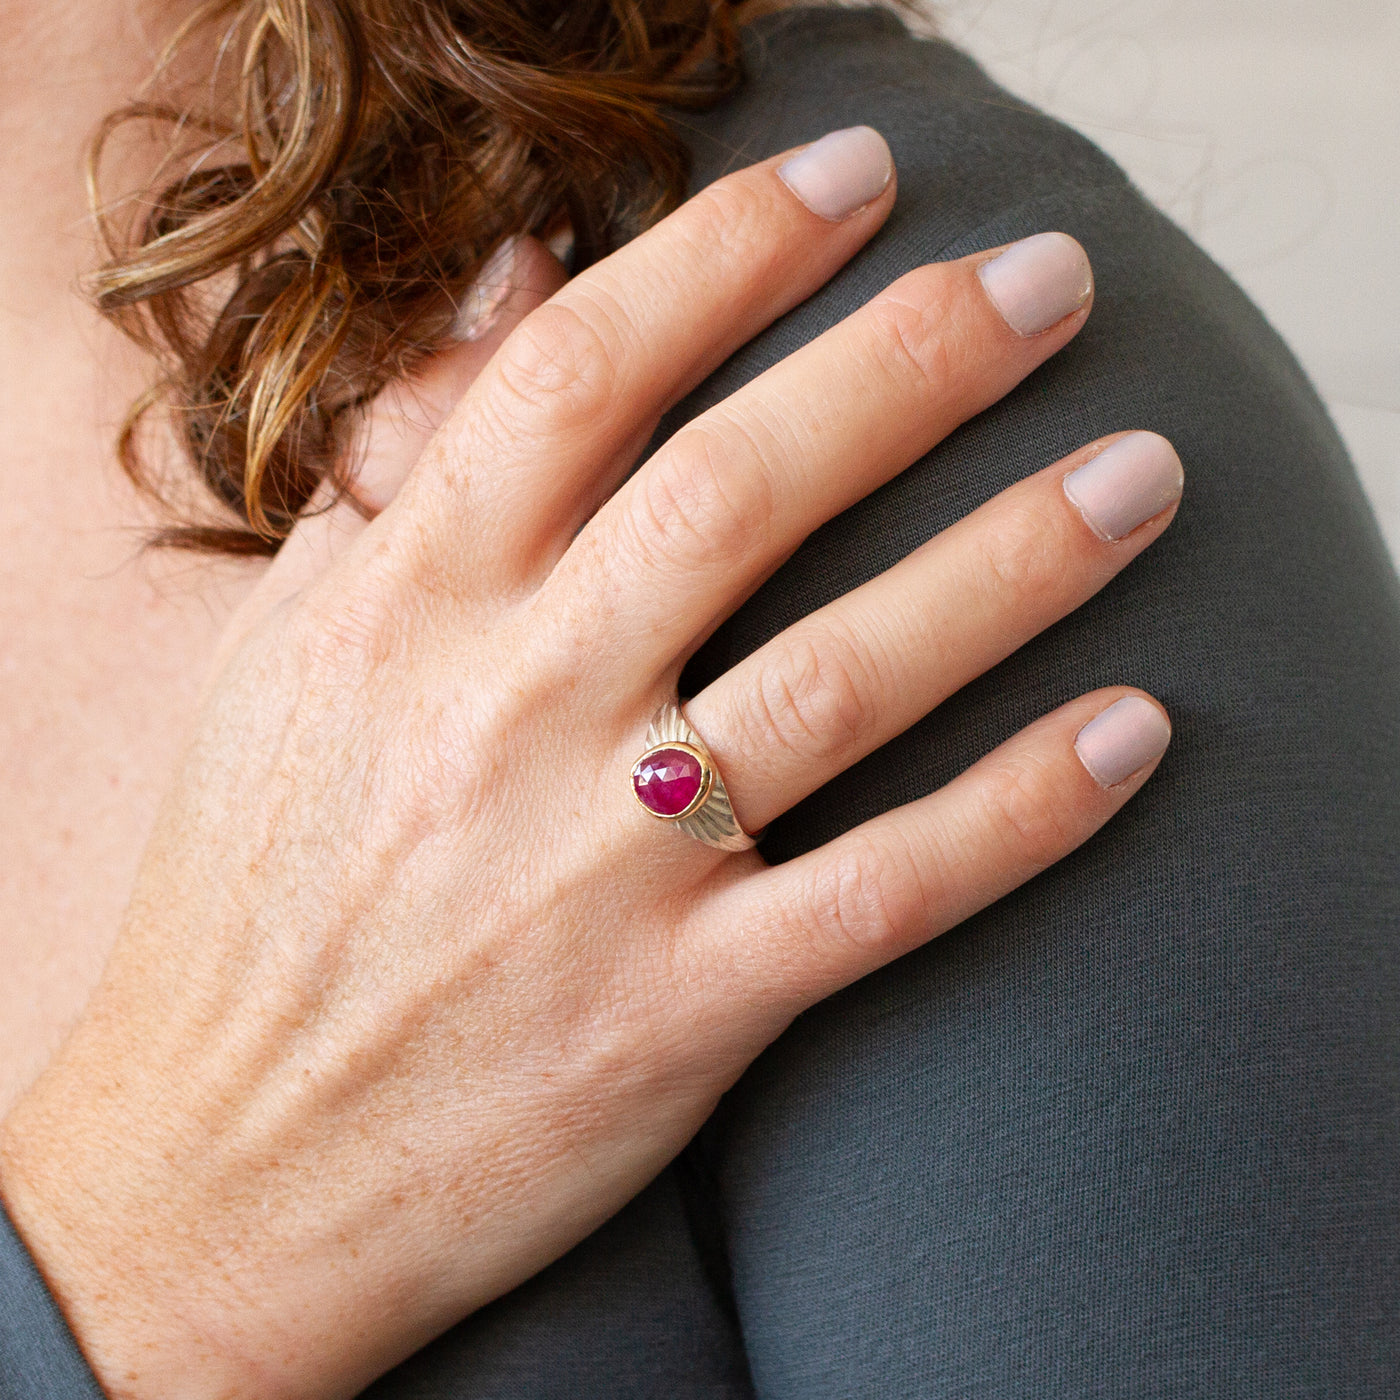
x: 676, y: 781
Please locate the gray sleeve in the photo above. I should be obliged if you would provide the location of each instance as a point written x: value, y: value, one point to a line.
x: 1135, y: 1129
x: 39, y: 1360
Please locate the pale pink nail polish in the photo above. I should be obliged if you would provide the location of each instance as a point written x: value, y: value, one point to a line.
x: 1131, y: 733
x: 841, y: 173
x: 1039, y: 281
x: 1127, y: 484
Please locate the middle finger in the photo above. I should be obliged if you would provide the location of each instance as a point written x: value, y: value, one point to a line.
x: 736, y: 490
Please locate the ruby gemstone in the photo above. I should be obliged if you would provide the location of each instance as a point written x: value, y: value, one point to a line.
x: 667, y: 781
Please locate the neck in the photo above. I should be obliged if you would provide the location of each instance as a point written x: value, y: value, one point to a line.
x: 66, y: 376
x: 64, y: 64
x: 101, y: 648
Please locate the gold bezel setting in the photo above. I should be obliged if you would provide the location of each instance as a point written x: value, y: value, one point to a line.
x: 710, y: 817
x: 707, y: 780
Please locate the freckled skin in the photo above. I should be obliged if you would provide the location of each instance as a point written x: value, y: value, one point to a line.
x: 426, y: 1032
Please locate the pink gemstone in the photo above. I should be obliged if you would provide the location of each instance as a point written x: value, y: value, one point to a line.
x: 667, y: 781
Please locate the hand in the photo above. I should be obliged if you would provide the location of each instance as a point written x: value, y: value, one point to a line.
x: 412, y: 994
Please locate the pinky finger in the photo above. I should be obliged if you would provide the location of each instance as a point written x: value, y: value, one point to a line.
x: 824, y: 920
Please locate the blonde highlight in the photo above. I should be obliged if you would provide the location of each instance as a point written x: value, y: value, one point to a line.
x: 316, y: 242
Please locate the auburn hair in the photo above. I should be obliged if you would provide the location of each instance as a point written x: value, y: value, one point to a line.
x: 312, y: 234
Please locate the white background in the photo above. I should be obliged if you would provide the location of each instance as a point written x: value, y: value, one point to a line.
x: 1270, y: 130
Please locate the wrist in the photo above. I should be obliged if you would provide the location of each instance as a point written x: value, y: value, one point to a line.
x: 106, y: 1235
x: 183, y: 1242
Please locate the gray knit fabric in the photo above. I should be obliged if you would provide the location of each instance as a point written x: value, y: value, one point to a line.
x: 38, y: 1358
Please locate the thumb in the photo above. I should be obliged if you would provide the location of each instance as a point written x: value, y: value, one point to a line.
x: 398, y: 425
x: 519, y: 276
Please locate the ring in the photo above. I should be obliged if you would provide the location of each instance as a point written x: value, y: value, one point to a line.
x: 676, y: 780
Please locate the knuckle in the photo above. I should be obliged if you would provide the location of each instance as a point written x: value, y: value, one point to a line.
x: 345, y: 640
x: 915, y: 333
x: 868, y: 896
x: 346, y: 633
x: 694, y: 505
x: 1032, y: 825
x: 560, y: 366
x: 735, y: 214
x: 1021, y: 555
x: 819, y: 702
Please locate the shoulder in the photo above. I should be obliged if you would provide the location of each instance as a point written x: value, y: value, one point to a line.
x: 966, y: 149
x: 1173, y: 345
x: 978, y: 167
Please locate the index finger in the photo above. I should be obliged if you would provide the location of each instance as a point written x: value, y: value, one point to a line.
x: 575, y: 393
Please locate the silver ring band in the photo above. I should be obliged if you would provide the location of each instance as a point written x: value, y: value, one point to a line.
x: 676, y: 780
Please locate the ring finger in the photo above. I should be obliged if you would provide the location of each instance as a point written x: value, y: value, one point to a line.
x: 853, y: 675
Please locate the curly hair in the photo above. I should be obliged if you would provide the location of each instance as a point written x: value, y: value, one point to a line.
x: 311, y: 239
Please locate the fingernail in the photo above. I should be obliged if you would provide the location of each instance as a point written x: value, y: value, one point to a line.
x: 481, y: 306
x: 840, y: 173
x: 1129, y: 734
x: 1039, y: 281
x: 1138, y: 477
